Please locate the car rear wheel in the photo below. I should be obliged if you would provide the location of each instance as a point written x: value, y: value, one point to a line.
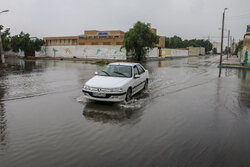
x: 128, y: 95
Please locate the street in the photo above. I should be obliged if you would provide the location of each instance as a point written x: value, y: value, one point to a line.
x: 188, y: 117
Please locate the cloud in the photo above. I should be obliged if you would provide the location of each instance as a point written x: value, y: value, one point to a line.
x: 186, y: 18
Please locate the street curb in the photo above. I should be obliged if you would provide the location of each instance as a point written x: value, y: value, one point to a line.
x: 149, y: 59
x: 234, y: 67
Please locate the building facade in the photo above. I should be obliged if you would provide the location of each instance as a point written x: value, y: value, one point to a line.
x: 246, y: 45
x: 94, y: 37
x: 61, y: 41
x: 217, y: 45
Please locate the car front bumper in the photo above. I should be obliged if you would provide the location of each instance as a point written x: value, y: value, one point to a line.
x: 110, y: 97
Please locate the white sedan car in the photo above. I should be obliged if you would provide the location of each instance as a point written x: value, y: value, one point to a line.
x: 117, y: 82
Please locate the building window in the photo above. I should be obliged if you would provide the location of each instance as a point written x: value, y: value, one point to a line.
x: 106, y: 43
x: 118, y: 43
x: 81, y: 43
x: 94, y: 43
x: 60, y: 41
x: 103, y: 37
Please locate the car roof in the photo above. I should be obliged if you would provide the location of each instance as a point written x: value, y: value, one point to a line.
x: 123, y: 63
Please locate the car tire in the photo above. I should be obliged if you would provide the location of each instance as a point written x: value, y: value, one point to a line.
x: 146, y: 85
x: 128, y: 95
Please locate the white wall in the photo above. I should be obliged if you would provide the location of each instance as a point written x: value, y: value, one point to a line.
x: 165, y: 52
x: 89, y: 51
x: 84, y: 51
x: 179, y: 52
x: 153, y: 52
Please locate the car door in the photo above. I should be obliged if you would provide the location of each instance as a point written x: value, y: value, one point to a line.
x: 142, y: 74
x: 136, y: 81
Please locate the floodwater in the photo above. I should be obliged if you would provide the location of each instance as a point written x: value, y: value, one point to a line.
x: 188, y: 117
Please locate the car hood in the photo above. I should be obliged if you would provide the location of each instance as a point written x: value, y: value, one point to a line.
x: 107, y: 82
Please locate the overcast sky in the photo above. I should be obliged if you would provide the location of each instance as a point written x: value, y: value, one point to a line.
x: 185, y: 18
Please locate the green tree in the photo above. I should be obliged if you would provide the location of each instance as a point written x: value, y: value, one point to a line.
x: 6, y: 39
x: 238, y: 47
x: 214, y: 50
x: 174, y: 42
x: 177, y: 42
x: 139, y: 40
x: 26, y: 44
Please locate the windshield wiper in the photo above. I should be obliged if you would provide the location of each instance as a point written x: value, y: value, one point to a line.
x: 120, y: 73
x: 106, y: 72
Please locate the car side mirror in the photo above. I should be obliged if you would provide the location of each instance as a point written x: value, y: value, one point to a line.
x: 96, y: 73
x: 137, y: 76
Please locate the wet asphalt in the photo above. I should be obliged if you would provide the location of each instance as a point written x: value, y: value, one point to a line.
x: 188, y: 117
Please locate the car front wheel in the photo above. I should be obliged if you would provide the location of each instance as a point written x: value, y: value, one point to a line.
x: 128, y: 95
x: 146, y: 85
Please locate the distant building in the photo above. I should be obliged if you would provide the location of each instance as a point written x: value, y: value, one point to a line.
x: 61, y: 41
x: 94, y: 37
x: 246, y: 43
x: 217, y: 45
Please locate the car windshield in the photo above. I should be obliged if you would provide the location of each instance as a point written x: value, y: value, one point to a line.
x: 116, y: 71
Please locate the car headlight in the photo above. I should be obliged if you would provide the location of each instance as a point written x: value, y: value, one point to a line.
x: 116, y: 90
x: 86, y: 87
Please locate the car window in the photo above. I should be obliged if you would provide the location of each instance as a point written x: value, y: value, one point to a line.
x: 136, y: 71
x: 116, y: 71
x: 141, y: 70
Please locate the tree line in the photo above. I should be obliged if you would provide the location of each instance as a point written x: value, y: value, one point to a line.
x: 176, y: 42
x: 23, y: 42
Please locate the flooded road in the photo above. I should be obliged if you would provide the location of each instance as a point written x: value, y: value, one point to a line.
x: 188, y: 117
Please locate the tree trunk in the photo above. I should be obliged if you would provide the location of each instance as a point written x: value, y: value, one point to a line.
x: 29, y: 53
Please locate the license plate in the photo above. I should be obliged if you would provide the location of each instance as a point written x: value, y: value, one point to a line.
x: 99, y: 94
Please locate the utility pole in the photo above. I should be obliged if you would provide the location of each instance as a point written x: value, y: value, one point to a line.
x: 222, y: 34
x: 228, y: 43
x: 208, y: 43
x: 233, y: 47
x: 2, y: 61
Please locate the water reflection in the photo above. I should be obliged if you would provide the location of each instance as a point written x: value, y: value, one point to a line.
x: 165, y: 63
x: 27, y: 65
x: 192, y: 61
x: 3, y: 121
x: 109, y: 112
x: 244, y: 74
x: 244, y: 88
x: 229, y: 72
